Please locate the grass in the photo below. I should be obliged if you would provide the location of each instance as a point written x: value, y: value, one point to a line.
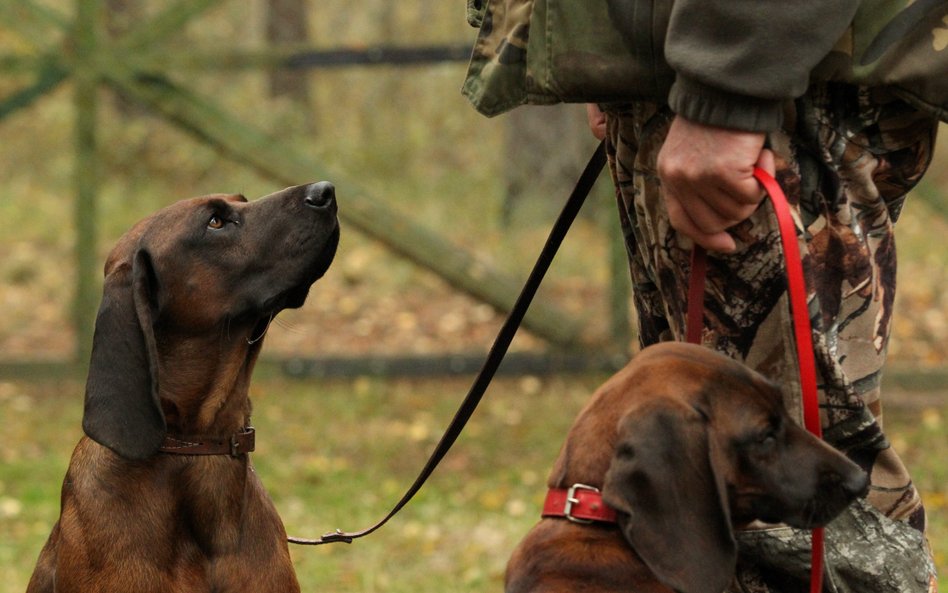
x: 338, y: 454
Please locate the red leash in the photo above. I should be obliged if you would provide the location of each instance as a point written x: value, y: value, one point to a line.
x: 801, y: 329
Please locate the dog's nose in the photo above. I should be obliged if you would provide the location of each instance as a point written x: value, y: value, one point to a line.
x: 320, y: 195
x: 856, y: 483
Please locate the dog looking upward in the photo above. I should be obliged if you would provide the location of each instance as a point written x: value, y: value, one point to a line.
x: 160, y: 495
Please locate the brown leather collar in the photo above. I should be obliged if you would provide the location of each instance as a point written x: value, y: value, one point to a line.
x: 579, y: 503
x: 237, y: 444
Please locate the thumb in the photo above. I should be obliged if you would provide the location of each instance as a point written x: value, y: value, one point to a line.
x: 767, y: 162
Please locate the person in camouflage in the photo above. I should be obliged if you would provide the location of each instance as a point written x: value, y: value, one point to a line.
x: 727, y: 90
x: 846, y: 172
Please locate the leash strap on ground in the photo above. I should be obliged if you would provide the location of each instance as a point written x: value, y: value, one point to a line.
x: 802, y: 331
x: 496, y: 354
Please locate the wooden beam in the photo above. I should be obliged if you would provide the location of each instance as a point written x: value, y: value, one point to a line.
x: 30, y: 21
x: 165, y: 24
x: 302, y: 57
x: 48, y: 79
x: 28, y: 63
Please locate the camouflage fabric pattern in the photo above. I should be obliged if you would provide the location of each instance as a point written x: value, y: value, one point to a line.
x: 864, y: 551
x: 495, y: 80
x: 846, y: 160
x: 550, y: 51
x: 914, y: 65
x: 475, y: 12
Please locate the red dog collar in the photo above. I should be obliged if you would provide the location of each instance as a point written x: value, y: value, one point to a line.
x: 579, y: 503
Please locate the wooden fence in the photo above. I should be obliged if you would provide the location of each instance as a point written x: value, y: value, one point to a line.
x: 140, y: 64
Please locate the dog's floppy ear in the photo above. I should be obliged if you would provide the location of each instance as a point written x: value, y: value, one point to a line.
x: 122, y: 410
x: 672, y: 506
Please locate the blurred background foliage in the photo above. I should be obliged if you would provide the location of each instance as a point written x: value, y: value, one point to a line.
x: 404, y: 133
x: 411, y: 141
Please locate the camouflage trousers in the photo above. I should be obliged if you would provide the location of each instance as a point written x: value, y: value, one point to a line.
x: 846, y: 159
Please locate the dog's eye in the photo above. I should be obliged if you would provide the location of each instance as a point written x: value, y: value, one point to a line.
x: 767, y: 440
x: 216, y: 222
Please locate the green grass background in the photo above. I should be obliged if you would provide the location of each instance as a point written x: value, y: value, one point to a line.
x: 338, y: 454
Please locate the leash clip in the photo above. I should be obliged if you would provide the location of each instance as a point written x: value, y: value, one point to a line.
x: 572, y: 500
x: 336, y: 536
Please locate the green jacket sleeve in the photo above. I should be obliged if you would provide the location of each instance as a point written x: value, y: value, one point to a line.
x: 738, y: 61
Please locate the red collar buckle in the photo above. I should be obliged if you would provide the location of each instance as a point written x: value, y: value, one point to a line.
x: 579, y: 503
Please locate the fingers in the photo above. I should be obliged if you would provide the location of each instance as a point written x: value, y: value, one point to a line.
x: 682, y: 221
x: 716, y: 208
x: 767, y: 162
x: 597, y: 120
x: 707, y: 180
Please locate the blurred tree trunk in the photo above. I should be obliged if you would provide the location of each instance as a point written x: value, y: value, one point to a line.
x: 386, y: 83
x: 546, y: 149
x: 120, y: 15
x: 287, y: 25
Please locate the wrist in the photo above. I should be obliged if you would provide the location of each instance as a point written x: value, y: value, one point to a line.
x: 710, y: 106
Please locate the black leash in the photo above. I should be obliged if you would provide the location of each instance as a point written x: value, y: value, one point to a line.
x: 496, y: 354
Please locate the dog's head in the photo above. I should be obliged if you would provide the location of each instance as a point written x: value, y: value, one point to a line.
x: 708, y: 445
x: 217, y: 266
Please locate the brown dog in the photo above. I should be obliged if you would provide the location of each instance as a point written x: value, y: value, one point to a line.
x: 161, y: 495
x: 684, y: 444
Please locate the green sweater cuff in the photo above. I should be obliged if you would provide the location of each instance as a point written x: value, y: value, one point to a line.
x: 703, y: 104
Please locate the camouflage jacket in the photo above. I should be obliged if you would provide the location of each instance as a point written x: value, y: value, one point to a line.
x: 732, y: 63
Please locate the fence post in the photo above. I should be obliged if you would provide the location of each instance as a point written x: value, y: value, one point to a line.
x: 86, y: 178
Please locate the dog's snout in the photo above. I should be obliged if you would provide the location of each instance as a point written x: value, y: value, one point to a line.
x: 320, y: 195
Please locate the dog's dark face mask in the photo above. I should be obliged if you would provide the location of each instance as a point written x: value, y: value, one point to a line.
x: 695, y: 460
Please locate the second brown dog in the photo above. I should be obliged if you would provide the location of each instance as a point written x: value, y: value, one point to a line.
x: 684, y: 445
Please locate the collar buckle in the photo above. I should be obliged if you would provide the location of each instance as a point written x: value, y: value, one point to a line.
x: 571, y: 499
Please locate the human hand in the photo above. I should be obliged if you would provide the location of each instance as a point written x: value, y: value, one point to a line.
x: 708, y: 182
x: 597, y: 120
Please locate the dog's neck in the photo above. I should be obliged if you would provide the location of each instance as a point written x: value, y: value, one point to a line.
x: 205, y: 394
